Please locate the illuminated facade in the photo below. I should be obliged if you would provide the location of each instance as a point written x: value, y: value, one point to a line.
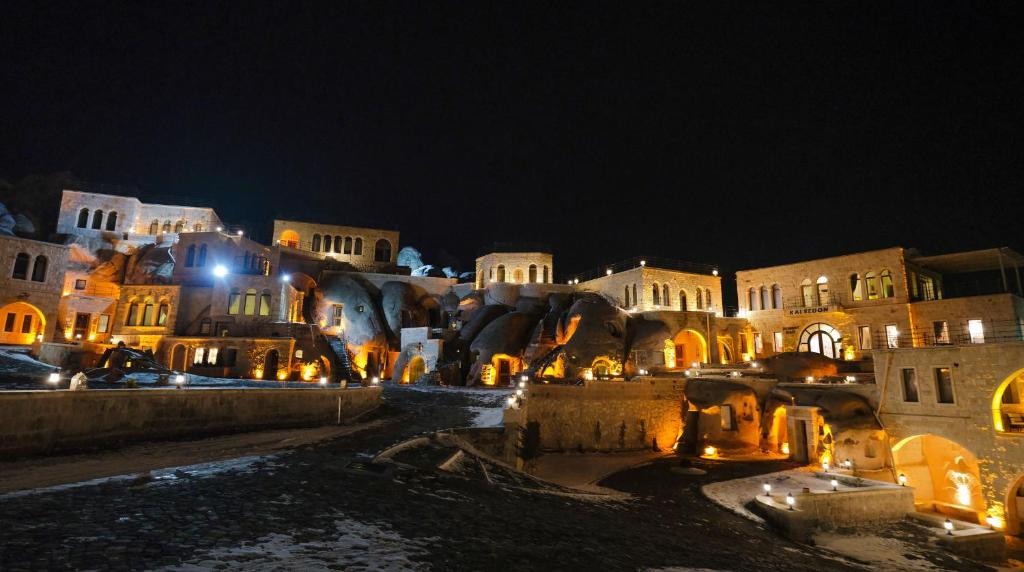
x: 366, y: 249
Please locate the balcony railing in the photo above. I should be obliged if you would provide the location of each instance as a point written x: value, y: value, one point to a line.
x: 251, y: 265
x: 649, y: 261
x: 947, y: 333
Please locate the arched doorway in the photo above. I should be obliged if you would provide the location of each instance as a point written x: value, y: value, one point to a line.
x: 778, y: 435
x: 724, y: 350
x: 289, y: 238
x: 1014, y: 509
x: 944, y: 475
x: 178, y: 355
x: 20, y: 323
x: 821, y: 338
x: 1008, y: 404
x: 270, y: 364
x: 415, y: 370
x: 690, y: 347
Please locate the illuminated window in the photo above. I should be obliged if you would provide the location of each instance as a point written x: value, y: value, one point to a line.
x: 941, y: 331
x: 656, y: 293
x: 338, y: 315
x: 909, y: 378
x: 821, y: 338
x: 944, y: 385
x: 892, y: 336
x: 864, y: 337
x: 265, y: 303
x: 167, y: 226
x: 777, y: 341
x: 976, y: 330
x: 179, y: 226
x: 758, y: 343
x: 147, y: 314
x: 856, y: 287
x: 197, y: 358
x: 501, y: 273
x: 517, y: 275
x: 250, y: 302
x: 161, y: 315
x: 888, y: 291
x: 871, y: 282
x: 234, y: 301
x: 807, y: 291
x: 103, y: 323
x: 211, y: 356
x: 822, y: 291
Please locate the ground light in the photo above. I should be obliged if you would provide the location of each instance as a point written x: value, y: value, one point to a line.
x: 323, y: 381
x: 54, y: 377
x: 179, y: 380
x: 767, y: 489
x: 824, y: 466
x: 994, y: 522
x: 902, y: 479
x: 710, y: 451
x: 790, y: 500
x: 835, y: 484
x: 375, y: 380
x: 948, y: 526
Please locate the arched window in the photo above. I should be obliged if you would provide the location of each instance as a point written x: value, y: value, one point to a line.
x: 83, y: 218
x: 636, y: 300
x: 154, y: 227
x: 265, y: 303
x: 190, y: 256
x: 21, y: 266
x: 39, y: 269
x: 626, y: 297
x: 776, y: 296
x: 822, y: 291
x: 348, y: 245
x: 382, y: 251
x: 316, y: 243
x: 517, y: 275
x: 337, y: 244
x: 707, y: 298
x: 501, y: 273
x: 533, y: 273
x: 856, y: 287
x: 807, y: 293
x: 250, y: 302
x: 766, y: 298
x: 97, y: 220
x: 161, y: 314
x: 656, y: 293
x: 547, y: 274
x: 245, y: 261
x: 132, y: 317
x: 665, y: 298
x: 752, y: 299
x: 871, y: 283
x: 112, y: 220
x: 167, y: 226
x: 202, y: 256
x: 821, y: 339
x: 179, y: 226
x: 359, y: 247
x: 682, y: 300
x: 327, y: 243
x: 147, y: 313
x: 887, y: 288
x: 234, y: 301
x: 700, y: 300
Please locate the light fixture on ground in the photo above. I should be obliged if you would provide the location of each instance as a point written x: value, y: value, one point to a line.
x: 375, y: 380
x: 239, y: 233
x: 824, y: 466
x: 643, y: 263
x: 835, y: 484
x: 714, y: 272
x: 179, y: 380
x: 994, y: 522
x: 608, y: 272
x: 519, y: 393
x: 54, y: 377
x: 948, y: 525
x: 220, y: 271
x: 323, y: 381
x: 767, y: 489
x: 902, y: 479
x: 790, y: 500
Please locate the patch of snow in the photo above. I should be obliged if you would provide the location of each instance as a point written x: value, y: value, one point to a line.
x: 358, y: 546
x: 487, y: 416
x: 881, y: 553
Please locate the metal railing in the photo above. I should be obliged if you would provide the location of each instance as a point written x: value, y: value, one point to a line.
x: 252, y: 265
x: 962, y: 333
x: 648, y: 261
x: 814, y: 301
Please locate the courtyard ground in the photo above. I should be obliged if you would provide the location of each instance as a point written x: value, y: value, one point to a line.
x: 306, y: 507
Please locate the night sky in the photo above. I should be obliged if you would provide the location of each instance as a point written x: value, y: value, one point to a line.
x: 740, y: 134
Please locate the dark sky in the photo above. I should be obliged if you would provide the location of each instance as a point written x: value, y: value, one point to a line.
x: 743, y: 134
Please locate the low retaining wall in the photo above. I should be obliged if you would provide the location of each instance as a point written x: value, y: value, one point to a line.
x: 598, y: 416
x: 39, y: 422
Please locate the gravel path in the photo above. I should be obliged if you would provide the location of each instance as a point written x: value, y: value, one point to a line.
x: 308, y: 510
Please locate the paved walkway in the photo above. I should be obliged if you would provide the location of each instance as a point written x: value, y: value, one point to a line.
x: 308, y: 509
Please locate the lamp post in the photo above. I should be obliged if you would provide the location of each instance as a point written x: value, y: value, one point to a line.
x: 179, y: 380
x: 767, y: 489
x: 835, y: 485
x: 790, y: 500
x: 902, y: 479
x: 948, y: 525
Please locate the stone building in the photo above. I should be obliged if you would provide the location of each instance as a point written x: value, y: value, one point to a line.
x: 844, y: 307
x: 367, y: 249
x: 504, y: 265
x: 31, y: 282
x: 91, y: 214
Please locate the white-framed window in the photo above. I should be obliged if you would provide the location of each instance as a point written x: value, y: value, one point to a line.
x: 892, y: 336
x: 211, y: 356
x: 758, y: 343
x: 777, y: 341
x: 864, y: 337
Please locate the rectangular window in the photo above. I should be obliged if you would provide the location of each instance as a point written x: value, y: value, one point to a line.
x: 211, y: 356
x: 250, y: 303
x: 230, y: 357
x: 26, y: 324
x: 133, y: 315
x: 864, y: 333
x: 233, y: 303
x: 941, y: 330
x: 725, y: 411
x: 338, y: 316
x: 892, y: 336
x: 147, y: 315
x: 161, y: 316
x: 909, y: 378
x: 758, y: 343
x: 197, y: 358
x: 9, y: 322
x: 103, y: 324
x: 80, y: 284
x: 927, y: 288
x: 205, y: 326
x: 976, y: 331
x: 777, y: 340
x: 944, y: 385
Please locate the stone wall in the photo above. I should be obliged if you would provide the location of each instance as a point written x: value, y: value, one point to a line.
x: 517, y: 268
x: 645, y: 277
x: 370, y: 236
x: 41, y: 422
x: 26, y: 296
x: 602, y: 416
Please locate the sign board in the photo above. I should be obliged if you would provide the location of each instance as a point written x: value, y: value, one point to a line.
x: 801, y: 311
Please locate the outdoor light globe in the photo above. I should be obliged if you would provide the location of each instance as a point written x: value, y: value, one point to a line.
x: 835, y: 484
x: 323, y: 381
x: 53, y: 377
x: 948, y: 525
x: 767, y: 488
x: 375, y: 380
x: 240, y: 233
x: 714, y: 272
x: 902, y: 479
x: 519, y: 393
x: 220, y: 271
x: 286, y: 278
x: 790, y: 500
x: 179, y: 379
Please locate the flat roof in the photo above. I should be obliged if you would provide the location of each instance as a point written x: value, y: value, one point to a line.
x: 287, y: 220
x: 971, y: 260
x: 811, y: 260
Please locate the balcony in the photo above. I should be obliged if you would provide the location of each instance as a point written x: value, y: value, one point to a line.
x: 962, y: 333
